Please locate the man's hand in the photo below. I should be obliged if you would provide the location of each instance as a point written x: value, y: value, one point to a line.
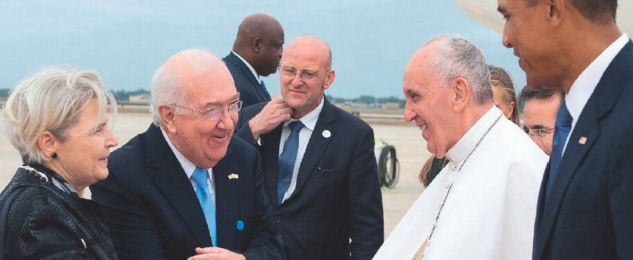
x: 216, y: 253
x: 273, y: 114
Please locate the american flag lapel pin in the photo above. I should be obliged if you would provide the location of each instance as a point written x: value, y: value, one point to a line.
x: 233, y: 176
x: 582, y: 140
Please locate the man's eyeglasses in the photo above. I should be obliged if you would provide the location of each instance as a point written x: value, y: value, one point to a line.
x: 215, y: 113
x: 539, y: 131
x: 304, y: 74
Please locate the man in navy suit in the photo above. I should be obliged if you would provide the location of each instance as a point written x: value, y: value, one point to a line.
x: 585, y: 206
x: 256, y: 53
x: 186, y: 186
x: 319, y: 162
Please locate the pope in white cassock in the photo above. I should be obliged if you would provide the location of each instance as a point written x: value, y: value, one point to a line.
x: 482, y: 205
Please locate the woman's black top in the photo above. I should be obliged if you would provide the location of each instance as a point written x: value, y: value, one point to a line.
x: 45, y: 221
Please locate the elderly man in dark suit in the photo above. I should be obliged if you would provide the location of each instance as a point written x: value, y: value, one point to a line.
x: 186, y: 186
x: 585, y: 207
x: 256, y: 53
x: 319, y: 162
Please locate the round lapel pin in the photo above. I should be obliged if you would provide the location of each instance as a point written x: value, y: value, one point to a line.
x: 326, y: 133
x: 239, y: 225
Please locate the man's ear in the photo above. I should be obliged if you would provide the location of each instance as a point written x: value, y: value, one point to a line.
x: 167, y: 115
x: 329, y: 79
x: 47, y: 143
x: 461, y: 94
x: 257, y: 44
x: 556, y: 11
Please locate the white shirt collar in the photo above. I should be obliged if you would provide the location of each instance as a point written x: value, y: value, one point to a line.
x: 187, y: 165
x: 587, y: 81
x: 310, y: 119
x: 248, y: 65
x: 458, y: 153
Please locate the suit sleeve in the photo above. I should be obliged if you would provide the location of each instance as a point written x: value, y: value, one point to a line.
x: 243, y: 130
x: 266, y: 243
x: 245, y: 133
x: 133, y: 231
x: 621, y: 197
x: 365, y: 201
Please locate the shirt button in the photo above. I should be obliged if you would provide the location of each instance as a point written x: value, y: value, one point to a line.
x: 277, y: 219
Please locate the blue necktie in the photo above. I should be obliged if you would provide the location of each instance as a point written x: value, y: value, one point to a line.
x: 199, y: 177
x: 286, y: 162
x: 261, y: 83
x: 562, y: 128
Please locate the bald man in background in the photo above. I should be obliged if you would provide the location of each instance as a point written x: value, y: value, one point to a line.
x: 256, y: 53
x: 186, y: 186
x: 319, y: 164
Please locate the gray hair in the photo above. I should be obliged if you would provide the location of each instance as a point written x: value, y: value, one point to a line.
x: 457, y: 57
x: 52, y: 100
x: 164, y: 90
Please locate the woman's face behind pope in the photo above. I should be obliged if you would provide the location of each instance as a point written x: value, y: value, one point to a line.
x: 82, y: 155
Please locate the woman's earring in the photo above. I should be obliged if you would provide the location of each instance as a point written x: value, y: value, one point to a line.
x: 54, y: 155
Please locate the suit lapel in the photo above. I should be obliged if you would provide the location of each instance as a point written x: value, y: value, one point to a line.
x: 572, y: 159
x: 270, y: 153
x: 316, y: 146
x: 173, y: 183
x: 227, y: 199
x: 541, y: 198
x: 585, y: 134
x: 246, y: 72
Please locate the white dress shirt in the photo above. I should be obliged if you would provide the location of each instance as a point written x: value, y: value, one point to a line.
x: 490, y: 209
x: 588, y: 80
x: 188, y: 167
x: 309, y: 122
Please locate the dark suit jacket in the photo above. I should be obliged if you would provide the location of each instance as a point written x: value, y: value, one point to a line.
x: 152, y: 210
x: 250, y: 91
x: 337, y: 197
x: 589, y: 212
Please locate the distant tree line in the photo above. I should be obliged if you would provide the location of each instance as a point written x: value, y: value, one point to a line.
x: 367, y: 99
x: 118, y: 94
x: 363, y: 99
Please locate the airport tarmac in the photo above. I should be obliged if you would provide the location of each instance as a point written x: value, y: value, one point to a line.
x: 410, y: 148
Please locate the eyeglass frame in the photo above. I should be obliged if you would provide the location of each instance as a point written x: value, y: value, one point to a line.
x: 303, y: 74
x: 539, y: 131
x: 217, y: 115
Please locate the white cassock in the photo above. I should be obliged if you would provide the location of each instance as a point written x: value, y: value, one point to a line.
x: 490, y: 210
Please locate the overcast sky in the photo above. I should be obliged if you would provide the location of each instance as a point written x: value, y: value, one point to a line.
x: 127, y: 40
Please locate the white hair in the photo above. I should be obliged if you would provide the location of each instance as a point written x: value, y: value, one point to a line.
x: 458, y: 57
x: 166, y: 79
x: 164, y: 86
x: 51, y: 100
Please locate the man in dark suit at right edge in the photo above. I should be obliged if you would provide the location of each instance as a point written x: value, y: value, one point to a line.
x: 585, y: 206
x: 256, y: 53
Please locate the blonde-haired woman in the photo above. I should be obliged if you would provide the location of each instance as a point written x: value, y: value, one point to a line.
x: 58, y: 121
